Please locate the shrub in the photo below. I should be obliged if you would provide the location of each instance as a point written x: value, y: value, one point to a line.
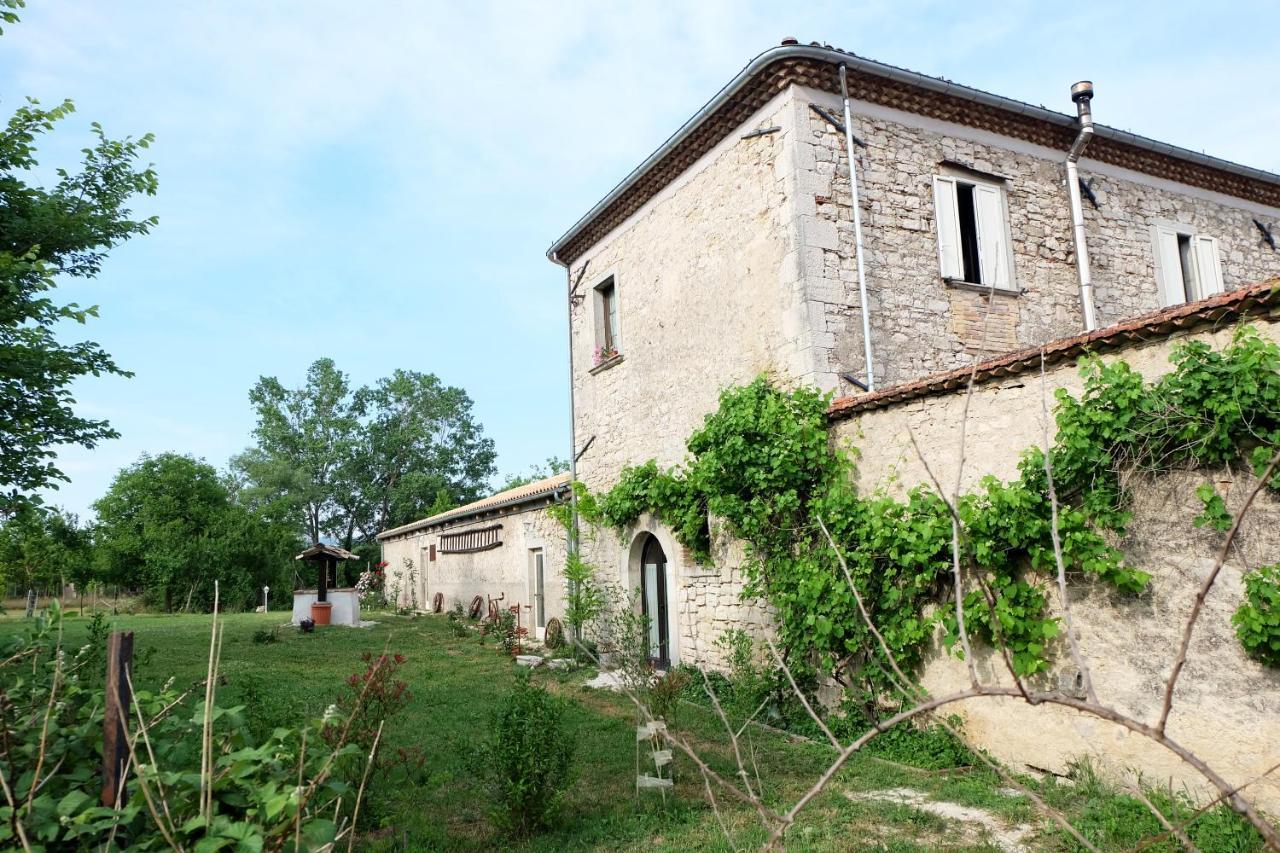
x: 526, y: 761
x: 266, y: 636
x: 665, y: 694
x: 457, y: 620
x: 1257, y: 620
x: 257, y: 799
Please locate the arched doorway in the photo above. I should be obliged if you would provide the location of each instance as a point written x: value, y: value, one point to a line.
x: 653, y: 600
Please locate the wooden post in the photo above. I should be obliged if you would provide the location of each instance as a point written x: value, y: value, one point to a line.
x: 322, y: 589
x: 115, y: 749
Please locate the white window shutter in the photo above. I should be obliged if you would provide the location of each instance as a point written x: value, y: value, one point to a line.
x: 948, y: 216
x: 993, y: 254
x: 1168, y: 266
x: 1208, y: 266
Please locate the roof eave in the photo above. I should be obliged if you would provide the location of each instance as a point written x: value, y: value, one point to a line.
x: 858, y: 63
x: 427, y: 523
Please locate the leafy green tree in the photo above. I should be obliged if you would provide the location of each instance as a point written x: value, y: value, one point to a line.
x: 303, y: 435
x: 64, y: 230
x: 168, y: 526
x: 42, y: 547
x: 555, y: 465
x: 422, y: 451
x: 348, y: 464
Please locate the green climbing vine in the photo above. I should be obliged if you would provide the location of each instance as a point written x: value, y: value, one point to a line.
x: 764, y: 464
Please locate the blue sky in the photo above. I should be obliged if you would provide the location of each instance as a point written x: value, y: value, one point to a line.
x: 378, y: 182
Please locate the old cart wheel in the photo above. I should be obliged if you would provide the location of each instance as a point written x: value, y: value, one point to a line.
x: 437, y: 603
x: 476, y: 604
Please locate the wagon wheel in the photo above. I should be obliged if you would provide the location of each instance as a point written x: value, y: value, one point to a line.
x: 553, y: 637
x: 437, y: 603
x: 476, y: 604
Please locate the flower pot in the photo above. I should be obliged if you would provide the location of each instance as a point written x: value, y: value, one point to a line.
x: 321, y: 612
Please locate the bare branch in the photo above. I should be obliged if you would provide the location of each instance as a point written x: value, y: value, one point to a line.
x: 1063, y: 599
x: 1181, y: 660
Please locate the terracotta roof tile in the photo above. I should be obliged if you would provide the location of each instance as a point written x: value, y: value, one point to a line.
x: 1261, y: 298
x: 511, y: 497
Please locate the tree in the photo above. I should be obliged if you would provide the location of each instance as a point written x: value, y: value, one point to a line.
x: 303, y: 435
x: 168, y: 526
x: 555, y: 465
x: 350, y: 464
x: 45, y: 233
x: 42, y: 547
x: 422, y: 449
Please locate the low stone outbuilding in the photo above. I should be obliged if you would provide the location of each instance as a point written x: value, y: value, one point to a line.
x: 507, y: 546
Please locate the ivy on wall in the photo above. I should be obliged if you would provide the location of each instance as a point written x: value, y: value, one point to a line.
x: 765, y: 465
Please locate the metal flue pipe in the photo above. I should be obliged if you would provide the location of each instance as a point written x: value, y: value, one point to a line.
x: 857, y: 227
x: 1082, y: 94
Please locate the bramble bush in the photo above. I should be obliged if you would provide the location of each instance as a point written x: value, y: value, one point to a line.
x: 51, y: 721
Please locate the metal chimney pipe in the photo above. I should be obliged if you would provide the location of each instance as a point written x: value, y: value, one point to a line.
x: 1082, y: 94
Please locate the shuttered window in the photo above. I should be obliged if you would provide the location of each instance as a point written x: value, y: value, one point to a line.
x: 1187, y: 264
x: 973, y: 232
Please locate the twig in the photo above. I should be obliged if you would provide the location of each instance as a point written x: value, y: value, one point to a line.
x: 355, y: 814
x: 1076, y: 656
x: 1181, y: 659
x: 800, y: 694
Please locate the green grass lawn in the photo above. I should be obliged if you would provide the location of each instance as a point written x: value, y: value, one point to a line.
x: 456, y: 682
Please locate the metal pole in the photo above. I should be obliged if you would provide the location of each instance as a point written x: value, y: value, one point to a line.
x: 573, y: 438
x: 857, y: 228
x: 1082, y: 94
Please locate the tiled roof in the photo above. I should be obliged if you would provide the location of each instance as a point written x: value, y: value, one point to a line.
x: 815, y: 65
x: 1261, y: 298
x: 536, y: 490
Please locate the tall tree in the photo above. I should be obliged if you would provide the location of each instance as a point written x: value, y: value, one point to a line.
x: 47, y: 233
x: 304, y: 435
x: 422, y: 448
x: 351, y: 464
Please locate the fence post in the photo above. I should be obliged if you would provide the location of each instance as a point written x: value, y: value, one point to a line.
x: 31, y: 602
x: 115, y: 749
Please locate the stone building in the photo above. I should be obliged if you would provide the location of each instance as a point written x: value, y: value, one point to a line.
x: 730, y: 252
x: 506, y: 547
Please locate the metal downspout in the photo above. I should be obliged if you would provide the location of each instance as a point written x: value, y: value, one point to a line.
x: 1081, y: 93
x: 857, y: 227
x: 572, y: 532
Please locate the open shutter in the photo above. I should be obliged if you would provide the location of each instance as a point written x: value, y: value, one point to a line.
x: 993, y: 254
x: 1168, y: 266
x: 1208, y: 266
x: 948, y: 216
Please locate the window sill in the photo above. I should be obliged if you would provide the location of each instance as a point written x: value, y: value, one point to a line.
x: 981, y: 288
x: 606, y: 364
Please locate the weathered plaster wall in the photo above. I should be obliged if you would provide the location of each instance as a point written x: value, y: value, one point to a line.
x: 711, y: 294
x: 920, y: 325
x: 503, y: 571
x: 1227, y: 707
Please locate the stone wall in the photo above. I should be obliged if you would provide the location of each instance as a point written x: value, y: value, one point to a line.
x: 920, y: 325
x: 1226, y: 704
x: 711, y: 294
x: 745, y: 265
x: 505, y: 571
